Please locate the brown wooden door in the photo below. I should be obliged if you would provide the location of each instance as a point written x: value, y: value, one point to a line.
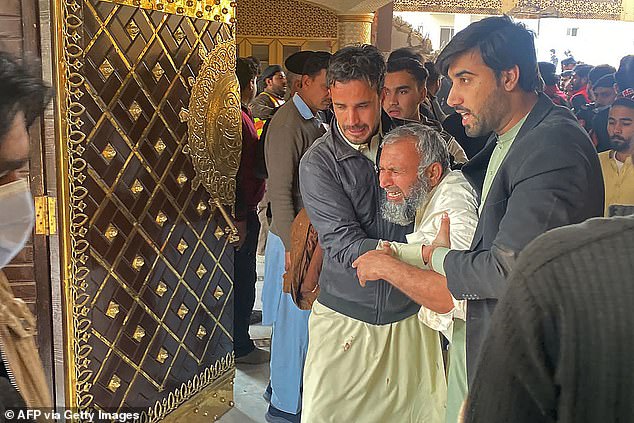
x: 150, y: 291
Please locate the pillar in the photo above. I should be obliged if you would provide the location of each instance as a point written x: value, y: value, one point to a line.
x: 354, y: 29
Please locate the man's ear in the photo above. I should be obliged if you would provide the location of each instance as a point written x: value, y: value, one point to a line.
x: 434, y: 173
x: 306, y: 81
x: 510, y: 78
x: 423, y: 93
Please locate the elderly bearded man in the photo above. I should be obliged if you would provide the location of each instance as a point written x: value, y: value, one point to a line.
x: 419, y: 187
x: 367, y: 350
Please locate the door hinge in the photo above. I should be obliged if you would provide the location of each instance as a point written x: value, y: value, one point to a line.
x: 45, y: 215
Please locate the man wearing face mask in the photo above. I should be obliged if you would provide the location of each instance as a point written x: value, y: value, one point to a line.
x: 23, y: 97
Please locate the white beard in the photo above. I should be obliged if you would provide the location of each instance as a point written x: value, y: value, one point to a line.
x: 404, y: 212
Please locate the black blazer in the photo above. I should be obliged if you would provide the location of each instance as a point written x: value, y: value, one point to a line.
x: 550, y: 177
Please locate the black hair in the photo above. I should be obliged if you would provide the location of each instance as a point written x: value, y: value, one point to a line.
x: 316, y: 64
x: 502, y: 43
x: 599, y: 72
x: 246, y: 70
x: 623, y: 101
x: 257, y: 62
x: 358, y: 63
x: 548, y: 73
x: 568, y: 61
x: 432, y: 71
x: 625, y: 75
x: 405, y: 52
x: 22, y: 91
x: 606, y: 81
x: 411, y: 66
x: 583, y: 70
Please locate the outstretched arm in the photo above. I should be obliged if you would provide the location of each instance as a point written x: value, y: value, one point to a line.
x: 426, y: 287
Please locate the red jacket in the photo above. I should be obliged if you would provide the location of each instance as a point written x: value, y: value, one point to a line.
x: 583, y: 92
x: 556, y: 95
x: 249, y: 188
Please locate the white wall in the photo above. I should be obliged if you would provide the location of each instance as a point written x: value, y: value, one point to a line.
x: 596, y: 42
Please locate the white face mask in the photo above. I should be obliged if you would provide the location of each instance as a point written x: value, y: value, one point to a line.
x: 17, y: 216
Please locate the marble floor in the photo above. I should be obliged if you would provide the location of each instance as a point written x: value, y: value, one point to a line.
x: 251, y: 380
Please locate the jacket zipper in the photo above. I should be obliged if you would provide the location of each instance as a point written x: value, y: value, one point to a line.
x: 7, y: 366
x: 379, y: 285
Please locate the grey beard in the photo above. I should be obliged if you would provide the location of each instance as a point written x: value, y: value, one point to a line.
x: 404, y: 213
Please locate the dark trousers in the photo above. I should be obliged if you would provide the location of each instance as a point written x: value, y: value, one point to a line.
x: 244, y: 287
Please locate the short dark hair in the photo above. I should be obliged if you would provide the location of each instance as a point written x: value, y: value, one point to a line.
x: 568, y: 61
x: 606, y: 81
x: 583, y: 71
x: 502, y: 43
x: 411, y: 66
x: 548, y: 73
x: 246, y: 70
x: 402, y: 52
x: 599, y: 72
x: 358, y: 63
x: 623, y: 101
x: 432, y: 70
x: 257, y: 62
x: 625, y: 75
x: 21, y: 90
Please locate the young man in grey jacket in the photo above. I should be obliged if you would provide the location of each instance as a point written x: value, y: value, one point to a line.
x: 360, y: 337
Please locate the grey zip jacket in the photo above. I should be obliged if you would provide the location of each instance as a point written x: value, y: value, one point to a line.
x: 341, y: 194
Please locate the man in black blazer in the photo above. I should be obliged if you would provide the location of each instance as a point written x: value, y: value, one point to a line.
x: 538, y: 171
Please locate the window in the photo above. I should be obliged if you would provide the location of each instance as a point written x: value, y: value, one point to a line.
x: 288, y: 50
x: 261, y: 51
x: 572, y: 32
x: 446, y: 34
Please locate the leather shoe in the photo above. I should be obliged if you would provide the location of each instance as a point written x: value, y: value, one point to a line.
x: 267, y: 393
x: 275, y: 415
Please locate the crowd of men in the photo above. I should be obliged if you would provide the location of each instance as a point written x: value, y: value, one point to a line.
x: 458, y: 273
x: 422, y: 219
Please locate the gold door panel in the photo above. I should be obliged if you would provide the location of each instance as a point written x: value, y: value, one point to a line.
x: 149, y: 269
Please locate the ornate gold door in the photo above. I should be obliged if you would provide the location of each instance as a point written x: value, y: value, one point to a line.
x: 148, y: 275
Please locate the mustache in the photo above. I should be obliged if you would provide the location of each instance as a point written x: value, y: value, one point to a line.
x: 617, y: 137
x: 354, y: 127
x: 462, y: 109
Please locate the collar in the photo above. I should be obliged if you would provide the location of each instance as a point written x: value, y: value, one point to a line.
x: 302, y: 107
x: 480, y: 161
x: 583, y: 91
x: 612, y: 155
x: 511, y: 133
x: 274, y: 98
x: 246, y: 110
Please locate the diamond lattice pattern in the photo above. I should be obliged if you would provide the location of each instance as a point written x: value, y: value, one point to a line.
x: 137, y: 66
